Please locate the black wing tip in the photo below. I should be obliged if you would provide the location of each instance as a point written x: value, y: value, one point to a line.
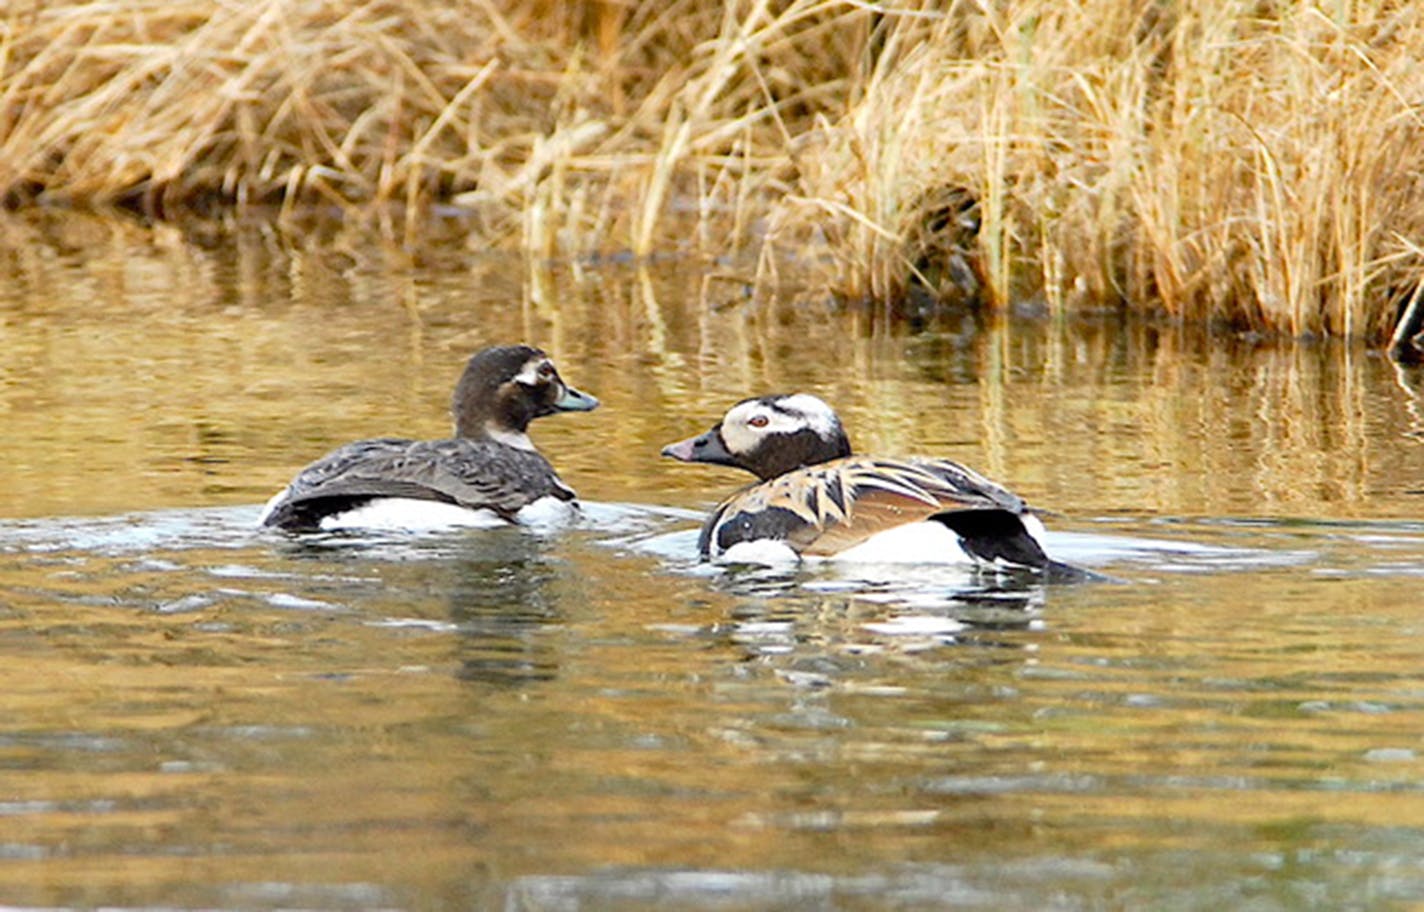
x: 293, y: 522
x: 999, y: 537
x: 303, y: 516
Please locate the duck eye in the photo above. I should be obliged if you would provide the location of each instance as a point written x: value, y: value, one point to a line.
x: 546, y: 371
x: 758, y: 421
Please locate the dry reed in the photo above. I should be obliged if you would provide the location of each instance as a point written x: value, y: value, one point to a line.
x: 1247, y: 163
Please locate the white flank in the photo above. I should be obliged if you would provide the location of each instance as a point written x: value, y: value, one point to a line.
x: 914, y: 543
x: 549, y: 511
x: 410, y: 514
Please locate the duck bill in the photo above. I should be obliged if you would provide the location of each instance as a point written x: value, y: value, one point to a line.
x: 706, y: 447
x: 574, y: 401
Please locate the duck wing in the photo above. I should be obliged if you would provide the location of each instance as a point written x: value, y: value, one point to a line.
x: 825, y: 509
x: 478, y: 474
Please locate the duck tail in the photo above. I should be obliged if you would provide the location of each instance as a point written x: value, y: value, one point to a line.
x: 1002, y: 537
x: 1059, y: 572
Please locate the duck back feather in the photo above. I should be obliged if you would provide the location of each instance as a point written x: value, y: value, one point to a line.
x: 833, y: 506
x: 478, y: 474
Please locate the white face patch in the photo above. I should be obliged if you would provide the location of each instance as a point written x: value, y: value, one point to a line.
x: 533, y: 372
x: 747, y: 424
x: 816, y: 414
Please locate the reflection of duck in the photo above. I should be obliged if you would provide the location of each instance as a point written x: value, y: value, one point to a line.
x: 815, y: 498
x: 817, y: 638
x: 488, y: 472
x: 502, y: 607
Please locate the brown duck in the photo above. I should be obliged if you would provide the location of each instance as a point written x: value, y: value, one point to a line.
x: 487, y: 473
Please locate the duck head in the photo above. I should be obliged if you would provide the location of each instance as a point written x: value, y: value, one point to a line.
x: 506, y: 387
x: 769, y: 436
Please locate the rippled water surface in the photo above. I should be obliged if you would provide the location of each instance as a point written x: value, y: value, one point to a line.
x: 196, y: 713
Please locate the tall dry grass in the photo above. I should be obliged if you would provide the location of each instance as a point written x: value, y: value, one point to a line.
x: 1251, y: 163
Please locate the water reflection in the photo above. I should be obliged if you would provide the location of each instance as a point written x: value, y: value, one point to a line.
x: 765, y: 716
x: 150, y: 366
x: 847, y: 610
x: 193, y: 710
x: 501, y: 607
x: 492, y: 588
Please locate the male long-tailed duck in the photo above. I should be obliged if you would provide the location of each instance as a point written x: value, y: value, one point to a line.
x: 487, y: 473
x: 814, y: 498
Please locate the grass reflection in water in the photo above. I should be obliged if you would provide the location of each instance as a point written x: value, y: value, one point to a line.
x: 195, y: 713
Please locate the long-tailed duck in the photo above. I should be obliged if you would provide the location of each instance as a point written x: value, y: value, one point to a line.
x: 487, y: 473
x: 814, y: 498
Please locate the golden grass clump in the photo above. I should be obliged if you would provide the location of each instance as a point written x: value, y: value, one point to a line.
x: 1242, y: 163
x: 1246, y: 163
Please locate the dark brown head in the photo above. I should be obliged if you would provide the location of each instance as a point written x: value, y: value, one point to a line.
x: 769, y: 436
x: 506, y: 387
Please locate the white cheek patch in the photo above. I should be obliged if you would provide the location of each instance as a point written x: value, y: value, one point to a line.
x: 812, y: 412
x: 785, y: 415
x: 737, y: 432
x: 529, y: 374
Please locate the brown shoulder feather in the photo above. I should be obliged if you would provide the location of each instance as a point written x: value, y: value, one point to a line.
x: 827, y: 508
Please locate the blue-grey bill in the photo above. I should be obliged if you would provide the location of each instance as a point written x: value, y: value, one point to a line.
x: 574, y: 401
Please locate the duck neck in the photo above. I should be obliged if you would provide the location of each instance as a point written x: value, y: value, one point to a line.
x: 797, y: 451
x: 492, y: 414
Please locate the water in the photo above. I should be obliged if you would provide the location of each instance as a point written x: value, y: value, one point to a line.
x: 197, y: 713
